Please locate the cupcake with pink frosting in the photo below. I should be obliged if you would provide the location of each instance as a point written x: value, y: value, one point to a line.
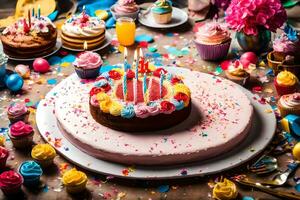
x: 125, y: 8
x: 87, y: 65
x: 3, y: 157
x: 21, y: 134
x: 10, y: 183
x: 289, y: 104
x: 17, y: 112
x: 212, y: 41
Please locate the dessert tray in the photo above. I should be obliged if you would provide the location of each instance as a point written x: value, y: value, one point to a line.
x: 55, y: 49
x: 106, y: 42
x: 261, y: 133
x: 179, y: 17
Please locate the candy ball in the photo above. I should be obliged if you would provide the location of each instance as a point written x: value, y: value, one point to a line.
x: 23, y: 70
x: 14, y: 82
x: 248, y: 58
x: 41, y: 65
x: 296, y: 151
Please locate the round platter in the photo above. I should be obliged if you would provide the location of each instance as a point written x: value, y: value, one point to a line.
x: 179, y: 17
x: 261, y: 133
x: 107, y: 41
x: 55, y: 49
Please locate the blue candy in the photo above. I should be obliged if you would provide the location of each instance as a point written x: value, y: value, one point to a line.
x: 14, y: 82
x: 143, y: 37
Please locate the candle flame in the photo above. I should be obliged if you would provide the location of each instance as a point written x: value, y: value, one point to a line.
x: 141, y: 53
x: 85, y: 45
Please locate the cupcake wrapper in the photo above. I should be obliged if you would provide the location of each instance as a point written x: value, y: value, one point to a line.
x: 286, y: 111
x: 283, y: 90
x: 31, y: 182
x: 3, y: 163
x: 162, y: 18
x: 22, y: 143
x: 45, y: 163
x: 77, y: 188
x: 87, y: 73
x: 12, y: 190
x: 213, y: 52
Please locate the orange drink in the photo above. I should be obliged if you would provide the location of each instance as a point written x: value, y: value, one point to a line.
x: 125, y: 28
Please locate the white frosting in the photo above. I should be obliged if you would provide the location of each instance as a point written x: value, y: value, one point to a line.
x: 290, y: 101
x: 93, y: 27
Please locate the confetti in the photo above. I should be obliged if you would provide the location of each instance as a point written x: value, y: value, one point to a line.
x: 52, y: 81
x: 144, y: 38
x: 163, y: 188
x: 247, y: 198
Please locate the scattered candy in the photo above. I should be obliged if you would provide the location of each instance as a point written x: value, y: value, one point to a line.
x: 296, y: 151
x: 23, y: 70
x: 144, y: 38
x: 14, y: 82
x: 248, y: 58
x: 41, y: 65
x: 163, y: 188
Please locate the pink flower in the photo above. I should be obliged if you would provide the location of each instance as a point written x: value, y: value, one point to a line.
x: 249, y: 15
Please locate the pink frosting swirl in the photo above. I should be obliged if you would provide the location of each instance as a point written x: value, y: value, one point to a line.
x: 211, y: 33
x: 17, y: 109
x: 284, y: 45
x: 88, y: 60
x: 3, y: 153
x: 94, y: 101
x: 20, y: 129
x: 126, y: 6
x: 153, y: 110
x: 141, y: 111
x: 10, y: 179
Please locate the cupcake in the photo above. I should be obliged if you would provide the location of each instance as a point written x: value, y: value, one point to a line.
x: 75, y: 181
x: 285, y: 83
x: 237, y: 73
x: 10, y: 182
x: 17, y: 112
x: 44, y: 154
x: 21, y: 134
x: 125, y: 8
x: 31, y: 172
x: 87, y: 65
x: 3, y: 157
x: 287, y: 44
x: 212, y: 41
x: 289, y: 104
x: 162, y: 11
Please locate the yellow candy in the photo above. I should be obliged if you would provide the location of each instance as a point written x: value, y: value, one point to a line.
x: 102, y: 14
x: 296, y: 151
x: 2, y: 140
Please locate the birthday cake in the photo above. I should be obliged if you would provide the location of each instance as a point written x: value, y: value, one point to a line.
x: 80, y: 28
x: 139, y: 101
x: 32, y: 37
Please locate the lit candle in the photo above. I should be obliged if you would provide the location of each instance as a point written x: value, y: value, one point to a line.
x: 125, y: 59
x: 135, y: 57
x: 144, y: 86
x: 125, y: 86
x: 161, y: 84
x: 141, y: 61
x: 39, y: 12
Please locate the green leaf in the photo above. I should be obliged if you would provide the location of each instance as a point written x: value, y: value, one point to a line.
x: 290, y: 3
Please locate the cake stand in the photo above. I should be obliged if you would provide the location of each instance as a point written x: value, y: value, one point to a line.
x: 260, y: 135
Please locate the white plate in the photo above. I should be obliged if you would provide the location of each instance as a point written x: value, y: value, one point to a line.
x: 55, y: 49
x: 179, y: 17
x: 261, y: 133
x: 107, y: 41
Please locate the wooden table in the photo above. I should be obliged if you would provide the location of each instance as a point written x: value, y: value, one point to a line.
x: 98, y: 186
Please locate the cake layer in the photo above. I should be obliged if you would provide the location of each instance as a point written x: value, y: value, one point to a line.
x: 220, y: 119
x: 78, y: 44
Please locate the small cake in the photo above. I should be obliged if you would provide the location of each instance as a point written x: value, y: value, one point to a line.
x: 225, y: 190
x: 80, y: 28
x: 10, y: 182
x: 3, y: 157
x: 285, y: 83
x: 75, y: 181
x: 21, y: 134
x: 237, y: 73
x: 87, y: 64
x: 289, y: 104
x: 212, y: 41
x: 43, y: 154
x: 31, y: 172
x: 25, y: 39
x: 125, y: 102
x: 17, y: 112
x: 162, y: 11
x: 125, y: 8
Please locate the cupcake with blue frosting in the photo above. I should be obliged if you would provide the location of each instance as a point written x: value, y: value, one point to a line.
x: 31, y: 172
x: 162, y: 11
